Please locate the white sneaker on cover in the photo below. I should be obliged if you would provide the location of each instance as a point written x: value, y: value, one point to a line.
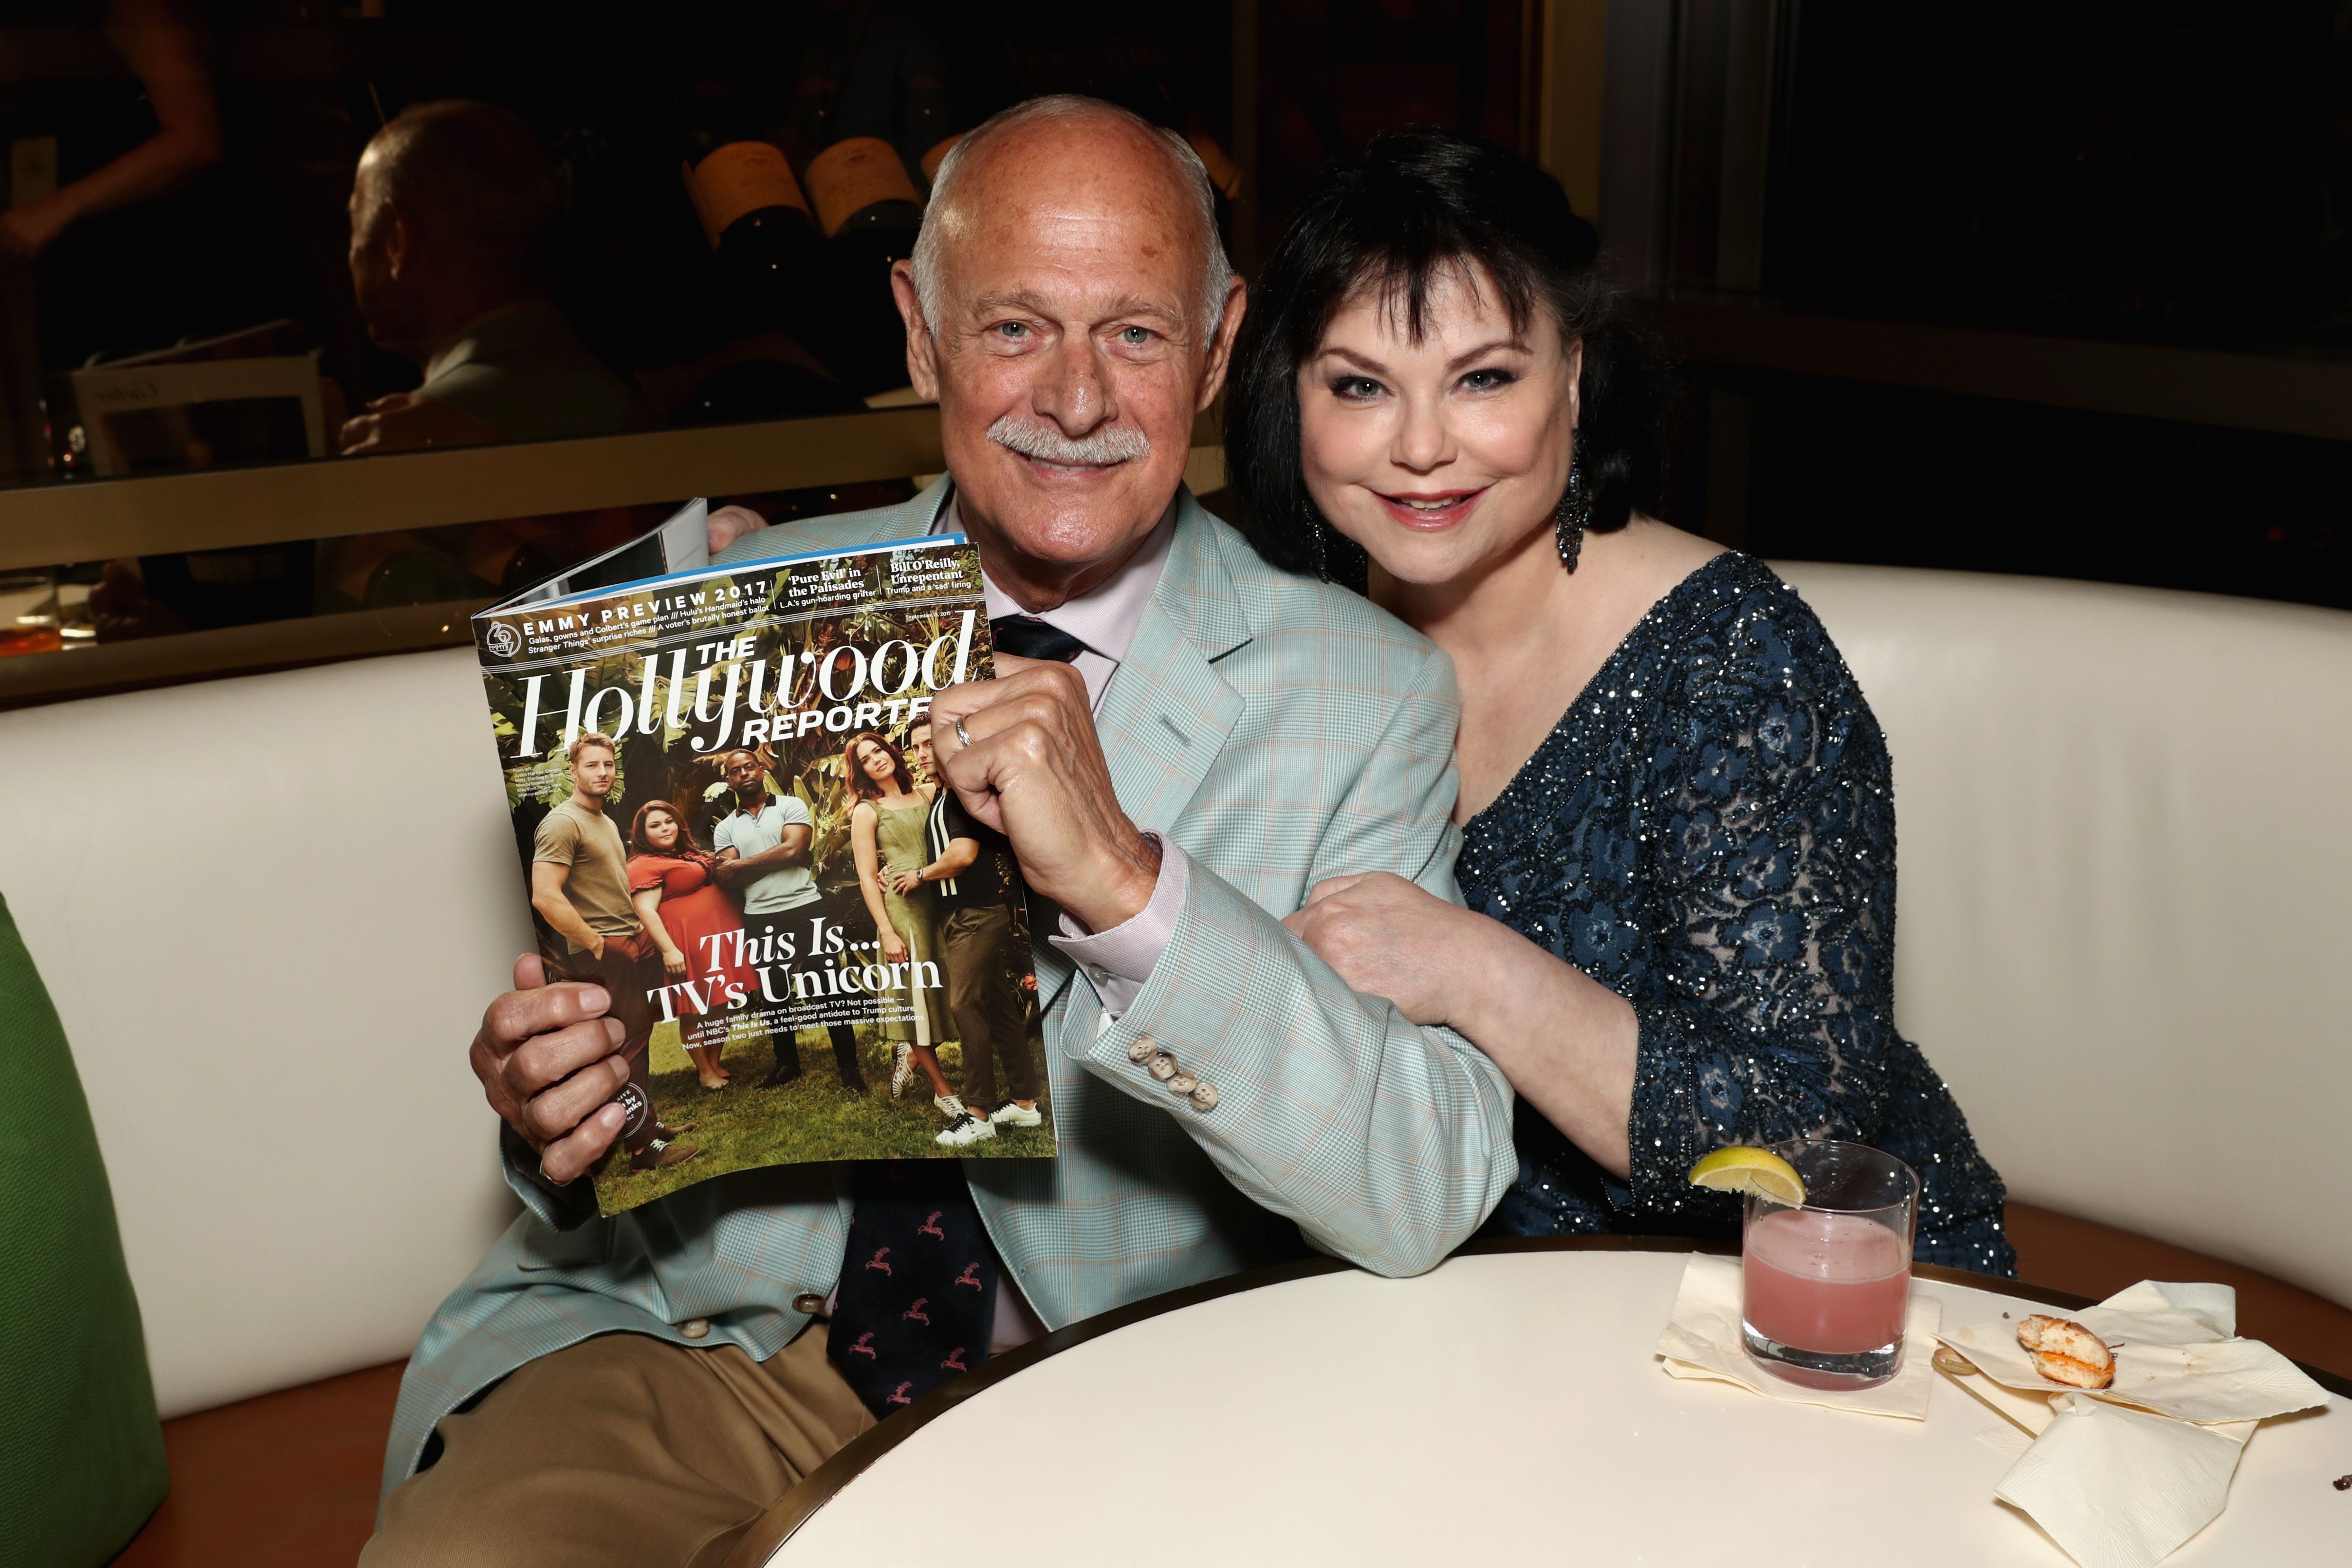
x: 967, y: 1130
x: 902, y: 1069
x: 1012, y: 1115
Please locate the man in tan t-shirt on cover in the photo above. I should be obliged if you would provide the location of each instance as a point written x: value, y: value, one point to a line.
x: 579, y: 886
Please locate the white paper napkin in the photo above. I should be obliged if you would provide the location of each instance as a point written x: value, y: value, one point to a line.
x: 1702, y: 1340
x: 2120, y: 1476
x: 2175, y: 1354
x: 2120, y: 1488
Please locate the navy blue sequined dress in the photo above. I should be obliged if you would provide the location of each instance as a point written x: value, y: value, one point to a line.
x: 1709, y: 831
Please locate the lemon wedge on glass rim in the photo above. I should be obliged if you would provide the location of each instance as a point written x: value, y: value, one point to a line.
x: 1758, y: 1173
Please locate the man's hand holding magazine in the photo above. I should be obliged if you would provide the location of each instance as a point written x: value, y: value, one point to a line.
x: 1022, y: 754
x: 548, y: 1060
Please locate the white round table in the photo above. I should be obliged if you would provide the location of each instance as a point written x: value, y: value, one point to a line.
x: 1506, y: 1408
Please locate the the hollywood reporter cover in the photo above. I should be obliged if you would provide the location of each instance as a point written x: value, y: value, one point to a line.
x: 725, y: 814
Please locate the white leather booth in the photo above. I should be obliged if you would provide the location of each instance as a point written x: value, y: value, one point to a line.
x: 270, y: 909
x: 2124, y: 884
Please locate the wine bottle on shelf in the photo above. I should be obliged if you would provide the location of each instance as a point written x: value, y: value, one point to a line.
x: 870, y: 212
x: 864, y: 196
x: 779, y: 283
x: 752, y: 211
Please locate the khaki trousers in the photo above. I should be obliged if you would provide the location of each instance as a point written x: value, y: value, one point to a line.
x: 624, y: 1449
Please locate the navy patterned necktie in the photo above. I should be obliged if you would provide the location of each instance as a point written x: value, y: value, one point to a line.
x: 1026, y: 637
x: 918, y: 1294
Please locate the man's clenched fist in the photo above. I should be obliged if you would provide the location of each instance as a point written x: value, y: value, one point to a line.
x: 1034, y: 770
x: 547, y: 1059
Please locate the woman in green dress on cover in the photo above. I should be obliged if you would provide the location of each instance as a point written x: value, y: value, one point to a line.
x: 886, y: 834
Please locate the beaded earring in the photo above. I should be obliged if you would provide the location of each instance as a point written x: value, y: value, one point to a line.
x: 1573, y: 514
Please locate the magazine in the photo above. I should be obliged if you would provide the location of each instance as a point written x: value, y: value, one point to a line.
x: 726, y: 815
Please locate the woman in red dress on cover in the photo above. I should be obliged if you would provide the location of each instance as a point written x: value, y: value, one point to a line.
x: 682, y: 909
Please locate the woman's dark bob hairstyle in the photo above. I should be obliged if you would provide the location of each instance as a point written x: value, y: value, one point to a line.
x: 1419, y: 203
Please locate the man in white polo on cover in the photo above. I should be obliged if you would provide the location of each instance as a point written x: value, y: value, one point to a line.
x: 1193, y: 740
x: 763, y: 860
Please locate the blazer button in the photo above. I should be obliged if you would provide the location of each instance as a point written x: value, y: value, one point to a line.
x: 1162, y: 1067
x: 1204, y: 1096
x: 1183, y: 1083
x: 1140, y: 1051
x: 809, y: 1303
x: 695, y: 1327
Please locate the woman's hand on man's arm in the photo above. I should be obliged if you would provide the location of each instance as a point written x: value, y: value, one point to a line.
x: 1389, y: 937
x: 1567, y: 1041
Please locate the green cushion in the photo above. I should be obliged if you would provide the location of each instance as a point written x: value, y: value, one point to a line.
x: 81, y: 1454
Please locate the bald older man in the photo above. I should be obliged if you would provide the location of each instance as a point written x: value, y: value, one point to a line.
x: 1192, y: 741
x: 453, y: 208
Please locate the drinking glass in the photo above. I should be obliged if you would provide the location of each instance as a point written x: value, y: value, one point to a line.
x: 1828, y: 1283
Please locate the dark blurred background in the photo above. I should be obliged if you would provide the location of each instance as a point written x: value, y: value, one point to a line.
x: 2118, y: 210
x: 2060, y: 288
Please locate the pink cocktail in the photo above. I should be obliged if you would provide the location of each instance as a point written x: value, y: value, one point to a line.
x: 1832, y: 1283
x: 1827, y: 1284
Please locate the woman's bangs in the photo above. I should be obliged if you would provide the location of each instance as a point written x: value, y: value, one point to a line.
x: 1403, y: 283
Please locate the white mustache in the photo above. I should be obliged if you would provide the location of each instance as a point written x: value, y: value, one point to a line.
x: 1112, y: 444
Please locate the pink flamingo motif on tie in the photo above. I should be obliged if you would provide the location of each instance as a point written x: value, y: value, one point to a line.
x: 970, y: 1275
x: 900, y: 1397
x: 955, y: 1360
x: 875, y: 1262
x: 930, y: 1226
x: 915, y: 1314
x: 865, y: 1346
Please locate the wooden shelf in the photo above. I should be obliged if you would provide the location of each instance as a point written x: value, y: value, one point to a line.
x: 28, y: 681
x: 2286, y: 391
x: 226, y: 509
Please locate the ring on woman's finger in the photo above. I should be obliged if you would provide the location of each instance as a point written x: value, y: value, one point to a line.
x: 962, y: 735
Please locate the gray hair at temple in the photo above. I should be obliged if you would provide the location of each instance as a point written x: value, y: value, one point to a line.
x: 1216, y: 272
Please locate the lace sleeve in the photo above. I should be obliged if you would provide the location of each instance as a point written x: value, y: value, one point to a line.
x: 1773, y: 1014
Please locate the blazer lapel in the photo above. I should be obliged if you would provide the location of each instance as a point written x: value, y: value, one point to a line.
x: 1167, y: 712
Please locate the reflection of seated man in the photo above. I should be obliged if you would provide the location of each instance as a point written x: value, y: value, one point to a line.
x: 763, y: 860
x: 452, y: 212
x: 580, y: 886
x: 966, y: 873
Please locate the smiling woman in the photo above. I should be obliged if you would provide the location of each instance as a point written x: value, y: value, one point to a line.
x: 1396, y: 240
x: 1678, y: 828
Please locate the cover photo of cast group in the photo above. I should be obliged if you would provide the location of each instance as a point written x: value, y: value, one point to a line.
x: 727, y: 813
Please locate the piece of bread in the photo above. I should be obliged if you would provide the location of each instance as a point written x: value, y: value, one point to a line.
x: 2063, y: 1350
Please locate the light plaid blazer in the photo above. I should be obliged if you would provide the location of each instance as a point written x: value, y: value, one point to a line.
x: 1278, y: 730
